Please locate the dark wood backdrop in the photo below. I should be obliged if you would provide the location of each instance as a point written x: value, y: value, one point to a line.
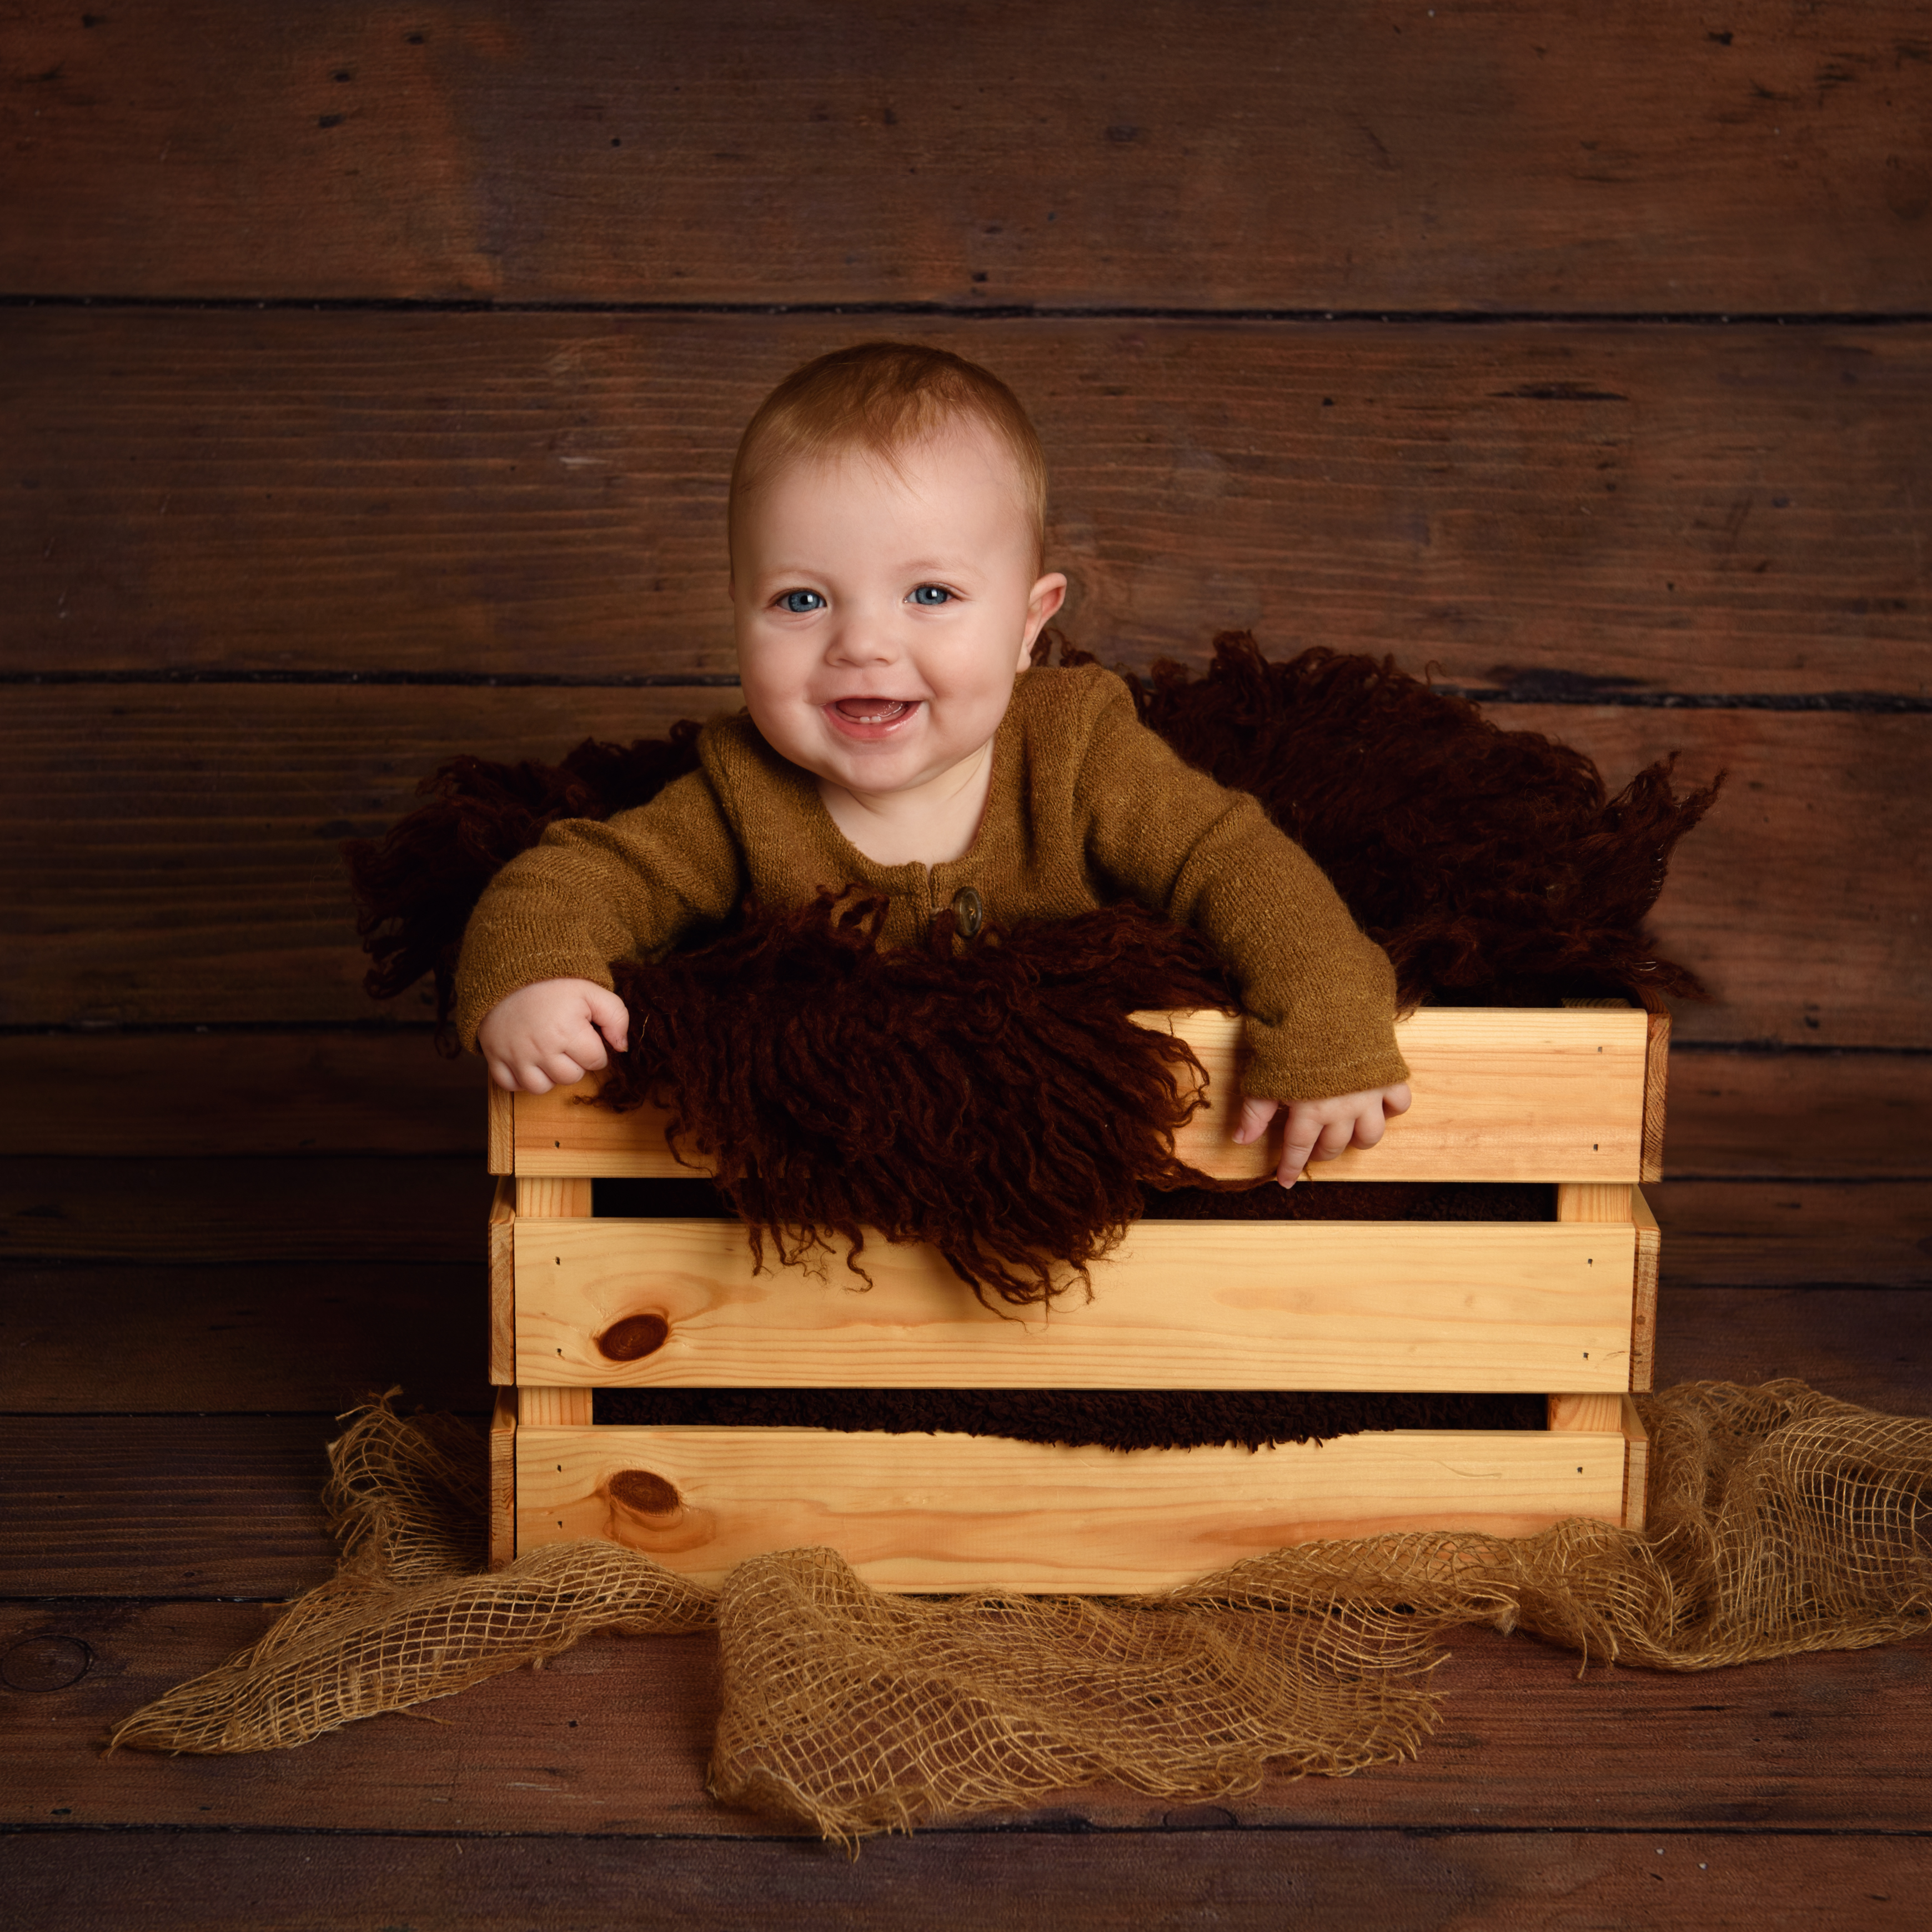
x: 369, y: 375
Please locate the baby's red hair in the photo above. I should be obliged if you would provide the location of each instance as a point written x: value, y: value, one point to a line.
x: 879, y: 398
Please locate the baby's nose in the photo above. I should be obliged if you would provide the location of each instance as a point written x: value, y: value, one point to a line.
x: 863, y: 638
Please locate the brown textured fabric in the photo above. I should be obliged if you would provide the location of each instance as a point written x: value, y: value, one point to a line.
x: 1088, y: 808
x: 1781, y: 1521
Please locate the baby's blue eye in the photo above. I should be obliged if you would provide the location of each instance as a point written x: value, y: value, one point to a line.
x: 932, y: 593
x: 801, y: 602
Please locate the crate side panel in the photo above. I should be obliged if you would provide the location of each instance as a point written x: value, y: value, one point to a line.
x: 960, y: 1512
x: 1463, y: 1306
x: 1501, y: 1094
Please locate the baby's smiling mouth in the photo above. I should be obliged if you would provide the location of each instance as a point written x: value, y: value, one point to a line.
x: 872, y: 710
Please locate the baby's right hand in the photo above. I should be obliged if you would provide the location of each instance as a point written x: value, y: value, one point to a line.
x: 552, y: 1033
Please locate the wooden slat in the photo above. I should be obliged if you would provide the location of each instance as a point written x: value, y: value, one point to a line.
x: 112, y: 1092
x: 1593, y: 1200
x: 553, y: 1197
x: 351, y: 1090
x: 1656, y: 1094
x: 138, y: 1337
x: 1181, y: 1304
x: 1826, y: 1742
x: 337, y: 1210
x: 1500, y: 1095
x: 1776, y: 1233
x: 1636, y: 1466
x: 1525, y: 156
x: 177, y: 860
x: 502, y: 1282
x: 1862, y: 1115
x: 1643, y: 1299
x: 1870, y: 1345
x: 1351, y: 1881
x: 502, y: 1140
x: 1800, y: 898
x: 1720, y: 509
x: 957, y: 1512
x: 177, y: 1505
x: 196, y: 826
x: 1592, y: 1414
x: 552, y: 1407
x: 503, y: 1479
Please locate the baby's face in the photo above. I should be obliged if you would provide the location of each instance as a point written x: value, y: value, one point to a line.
x: 882, y: 618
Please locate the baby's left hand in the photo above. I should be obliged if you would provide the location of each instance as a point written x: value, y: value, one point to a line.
x: 1320, y: 1129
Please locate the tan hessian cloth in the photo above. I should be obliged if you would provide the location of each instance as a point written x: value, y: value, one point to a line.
x: 1088, y: 807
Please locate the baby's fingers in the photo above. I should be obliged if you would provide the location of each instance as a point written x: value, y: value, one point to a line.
x: 1255, y: 1115
x: 611, y: 1016
x: 1298, y: 1142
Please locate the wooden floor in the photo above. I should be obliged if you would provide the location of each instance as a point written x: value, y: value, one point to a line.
x: 164, y: 1425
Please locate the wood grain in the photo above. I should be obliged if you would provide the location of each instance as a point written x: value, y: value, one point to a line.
x: 193, y: 837
x: 502, y: 1528
x: 1593, y: 1414
x: 174, y: 1506
x: 1636, y: 1466
x: 613, y: 1736
x: 503, y: 1282
x: 1200, y: 1872
x: 1800, y: 898
x: 1181, y: 1304
x: 371, y: 1090
x: 1546, y: 157
x: 144, y: 1337
x: 178, y: 862
x: 370, y: 1209
x: 1643, y: 1299
x: 1502, y: 1094
x: 1738, y: 1115
x: 950, y: 1513
x: 1870, y: 1346
x: 1718, y: 509
x: 1775, y: 1233
x: 111, y: 1091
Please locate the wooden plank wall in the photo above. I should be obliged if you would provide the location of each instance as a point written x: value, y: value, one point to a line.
x: 369, y: 374
x: 371, y: 380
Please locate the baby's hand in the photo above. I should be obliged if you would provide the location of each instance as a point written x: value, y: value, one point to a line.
x: 1320, y: 1129
x: 552, y: 1033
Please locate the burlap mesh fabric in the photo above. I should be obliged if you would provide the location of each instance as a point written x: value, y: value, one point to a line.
x: 1781, y: 1520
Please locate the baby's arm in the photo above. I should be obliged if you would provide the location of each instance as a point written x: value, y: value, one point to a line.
x: 1320, y: 1129
x: 552, y: 1033
x: 533, y: 984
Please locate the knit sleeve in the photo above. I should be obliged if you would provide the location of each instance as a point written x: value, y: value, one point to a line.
x: 1318, y: 994
x: 594, y: 892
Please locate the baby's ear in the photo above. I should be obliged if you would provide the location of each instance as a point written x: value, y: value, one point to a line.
x: 1047, y: 596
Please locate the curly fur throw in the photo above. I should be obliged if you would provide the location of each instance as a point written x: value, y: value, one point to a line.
x: 1000, y: 1104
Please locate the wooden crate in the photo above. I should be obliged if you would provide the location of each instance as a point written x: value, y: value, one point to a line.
x: 1573, y: 1097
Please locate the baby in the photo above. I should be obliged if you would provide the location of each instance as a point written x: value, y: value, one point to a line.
x: 886, y: 521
